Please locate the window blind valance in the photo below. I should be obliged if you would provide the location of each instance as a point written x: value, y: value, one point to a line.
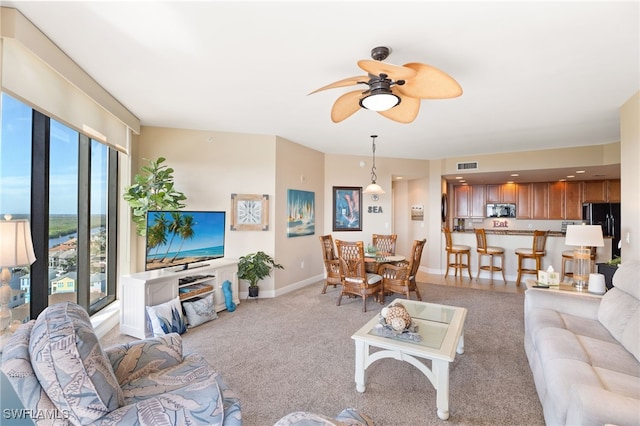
x: 38, y: 73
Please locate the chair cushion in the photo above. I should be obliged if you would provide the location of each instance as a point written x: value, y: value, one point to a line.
x: 71, y: 366
x: 529, y: 252
x: 495, y: 250
x: 457, y: 247
x: 373, y: 278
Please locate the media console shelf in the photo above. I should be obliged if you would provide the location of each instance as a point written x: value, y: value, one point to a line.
x: 150, y: 288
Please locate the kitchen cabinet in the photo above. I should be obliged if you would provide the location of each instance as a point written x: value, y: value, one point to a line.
x: 461, y: 200
x: 613, y: 191
x: 557, y: 202
x: 601, y: 191
x: 573, y: 200
x: 469, y: 201
x: 477, y: 201
x: 523, y: 201
x: 505, y: 193
x: 540, y: 200
x: 595, y: 191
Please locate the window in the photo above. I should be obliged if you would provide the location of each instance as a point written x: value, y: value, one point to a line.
x: 66, y: 185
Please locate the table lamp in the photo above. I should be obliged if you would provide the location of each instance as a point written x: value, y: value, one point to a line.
x: 583, y: 237
x: 16, y: 249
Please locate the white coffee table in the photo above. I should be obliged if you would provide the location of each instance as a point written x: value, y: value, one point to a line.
x: 441, y: 329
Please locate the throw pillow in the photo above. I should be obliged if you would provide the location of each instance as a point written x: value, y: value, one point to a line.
x: 200, y: 311
x: 167, y: 318
x: 71, y: 366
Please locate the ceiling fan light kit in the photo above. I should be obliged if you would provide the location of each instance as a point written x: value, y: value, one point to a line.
x: 390, y: 86
x: 379, y: 101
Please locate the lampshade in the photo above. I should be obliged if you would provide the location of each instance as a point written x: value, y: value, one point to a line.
x: 16, y: 248
x: 373, y: 188
x: 584, y: 236
x: 379, y: 101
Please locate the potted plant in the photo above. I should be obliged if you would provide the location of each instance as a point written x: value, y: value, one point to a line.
x: 255, y: 267
x: 153, y: 190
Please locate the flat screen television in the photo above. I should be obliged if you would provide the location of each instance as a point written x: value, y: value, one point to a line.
x: 183, y: 238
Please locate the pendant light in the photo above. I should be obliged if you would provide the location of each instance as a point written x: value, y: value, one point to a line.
x: 373, y: 188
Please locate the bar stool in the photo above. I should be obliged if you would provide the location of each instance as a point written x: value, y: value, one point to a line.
x: 536, y: 252
x: 484, y: 250
x: 457, y: 251
x: 567, y: 256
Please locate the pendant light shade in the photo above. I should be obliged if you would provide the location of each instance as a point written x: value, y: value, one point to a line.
x: 373, y: 188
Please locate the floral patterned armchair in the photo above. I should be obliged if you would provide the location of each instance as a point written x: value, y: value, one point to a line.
x: 58, y: 369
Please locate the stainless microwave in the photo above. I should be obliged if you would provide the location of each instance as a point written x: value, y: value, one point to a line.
x: 501, y: 210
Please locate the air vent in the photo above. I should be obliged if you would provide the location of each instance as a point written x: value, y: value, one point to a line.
x: 473, y: 165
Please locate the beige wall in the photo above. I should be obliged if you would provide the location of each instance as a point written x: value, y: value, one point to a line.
x: 630, y: 177
x: 300, y: 168
x: 596, y: 155
x: 210, y: 166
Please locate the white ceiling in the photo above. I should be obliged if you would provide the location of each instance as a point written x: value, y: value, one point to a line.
x: 535, y: 75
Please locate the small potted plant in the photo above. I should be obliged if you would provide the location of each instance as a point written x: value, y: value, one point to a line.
x: 255, y: 267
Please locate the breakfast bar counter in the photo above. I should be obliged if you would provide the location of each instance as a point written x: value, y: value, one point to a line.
x: 510, y: 240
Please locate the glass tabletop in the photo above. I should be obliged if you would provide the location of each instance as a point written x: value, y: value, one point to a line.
x: 433, y: 323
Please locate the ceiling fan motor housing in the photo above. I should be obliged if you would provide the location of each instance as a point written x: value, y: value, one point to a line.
x: 380, y: 53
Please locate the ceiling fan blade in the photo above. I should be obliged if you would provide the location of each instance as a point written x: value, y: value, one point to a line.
x: 345, y: 106
x: 351, y: 81
x: 429, y: 83
x: 395, y: 72
x: 405, y: 112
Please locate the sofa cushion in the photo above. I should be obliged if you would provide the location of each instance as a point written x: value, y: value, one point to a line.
x: 70, y: 364
x: 619, y: 310
x: 626, y: 278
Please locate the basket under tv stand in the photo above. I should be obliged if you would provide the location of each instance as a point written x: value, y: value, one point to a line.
x: 150, y: 288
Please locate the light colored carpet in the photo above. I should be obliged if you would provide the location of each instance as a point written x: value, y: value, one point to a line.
x: 295, y: 352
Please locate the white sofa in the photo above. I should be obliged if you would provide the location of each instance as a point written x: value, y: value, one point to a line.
x: 584, y: 352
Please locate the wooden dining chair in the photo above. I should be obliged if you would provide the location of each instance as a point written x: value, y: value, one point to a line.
x: 354, y: 278
x: 401, y: 278
x: 331, y: 263
x: 385, y: 243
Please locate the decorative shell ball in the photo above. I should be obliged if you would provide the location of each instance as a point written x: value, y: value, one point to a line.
x: 396, y: 316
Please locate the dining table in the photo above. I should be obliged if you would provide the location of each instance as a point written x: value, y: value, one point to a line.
x: 373, y: 260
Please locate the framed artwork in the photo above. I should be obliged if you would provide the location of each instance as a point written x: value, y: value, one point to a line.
x: 249, y: 212
x: 301, y: 214
x: 347, y: 211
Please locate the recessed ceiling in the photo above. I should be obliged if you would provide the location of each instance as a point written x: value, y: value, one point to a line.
x: 535, y: 75
x: 607, y: 172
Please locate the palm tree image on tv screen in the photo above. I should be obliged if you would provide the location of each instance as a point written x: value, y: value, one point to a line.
x: 183, y: 238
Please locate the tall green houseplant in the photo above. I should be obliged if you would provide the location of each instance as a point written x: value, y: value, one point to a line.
x: 153, y: 189
x: 254, y: 267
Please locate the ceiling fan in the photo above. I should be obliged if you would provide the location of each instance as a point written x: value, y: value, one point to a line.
x: 393, y: 91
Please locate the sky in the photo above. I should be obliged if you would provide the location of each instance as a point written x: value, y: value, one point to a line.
x: 15, y: 164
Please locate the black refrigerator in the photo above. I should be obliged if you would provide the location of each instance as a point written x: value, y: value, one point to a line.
x: 606, y: 215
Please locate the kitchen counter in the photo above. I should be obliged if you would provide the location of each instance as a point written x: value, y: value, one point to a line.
x: 490, y: 231
x: 511, y: 239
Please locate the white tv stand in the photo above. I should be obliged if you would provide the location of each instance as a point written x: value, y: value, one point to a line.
x: 150, y: 288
